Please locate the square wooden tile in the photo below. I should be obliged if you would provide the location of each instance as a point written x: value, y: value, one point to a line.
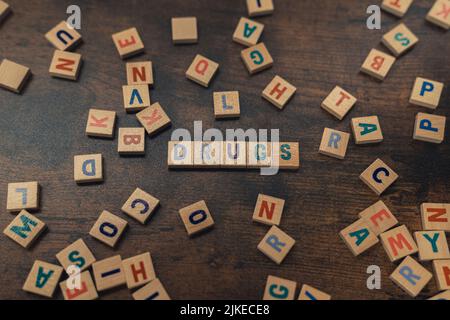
x: 88, y: 168
x: 180, y: 154
x: 338, y: 102
x: 276, y: 244
x: 140, y: 205
x: 398, y: 243
x: 279, y: 289
x: 334, y: 143
x: 196, y: 218
x: 154, y: 290
x: 77, y: 254
x: 426, y: 93
x: 202, y: 70
x: 259, y: 154
x: 441, y: 296
x: 86, y: 291
x: 429, y: 128
x: 226, y: 104
x: 138, y: 270
x: 23, y: 195
x: 43, y: 279
x: 24, y: 229
x: 131, y: 141
x: 208, y: 154
x: 108, y: 228
x: 63, y: 36
x: 279, y: 92
x: 128, y: 43
x: 432, y: 245
x: 100, y: 123
x: 268, y: 210
x: 136, y: 97
x: 140, y: 72
x: 435, y: 216
x: 396, y: 7
x: 154, y: 119
x: 399, y: 40
x: 13, y: 75
x: 257, y: 8
x: 248, y: 32
x: 234, y: 154
x: 108, y: 273
x: 288, y: 154
x: 311, y: 293
x: 367, y: 130
x: 441, y: 270
x: 378, y: 64
x: 358, y: 237
x: 65, y: 65
x: 378, y: 217
x: 184, y: 30
x: 411, y: 276
x: 5, y: 10
x: 378, y: 176
x: 440, y: 14
x: 257, y: 58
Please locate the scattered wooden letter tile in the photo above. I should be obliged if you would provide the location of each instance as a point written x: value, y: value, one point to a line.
x: 88, y: 168
x: 226, y: 104
x: 180, y: 154
x: 43, y: 278
x: 311, y: 293
x: 435, y: 216
x: 63, y: 36
x: 442, y: 273
x: 136, y: 97
x: 257, y: 58
x: 441, y: 296
x: 398, y: 243
x: 287, y: 153
x: 140, y: 205
x: 440, y: 14
x: 140, y: 72
x: 279, y: 289
x: 367, y: 130
x: 429, y: 128
x: 399, y: 40
x: 411, y: 276
x: 138, y: 270
x: 151, y: 291
x: 5, y: 10
x: 334, y: 143
x: 432, y: 245
x: 208, y: 154
x: 86, y: 291
x: 24, y: 229
x: 108, y: 273
x: 184, y: 30
x: 23, y: 195
x: 234, y: 154
x: 108, y: 228
x: 426, y: 93
x: 268, y: 210
x: 65, y: 65
x: 259, y: 154
x: 378, y: 176
x: 279, y: 92
x: 77, y: 254
x: 196, y: 217
x: 13, y: 75
x: 276, y: 244
x: 377, y: 64
x: 248, y: 32
x: 378, y: 217
x: 339, y: 102
x: 358, y: 237
x: 259, y: 7
x: 153, y: 119
x: 100, y: 123
x: 396, y: 7
x: 202, y: 70
x: 131, y: 141
x: 128, y: 43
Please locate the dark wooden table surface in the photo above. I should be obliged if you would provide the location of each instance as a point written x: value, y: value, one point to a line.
x: 316, y: 45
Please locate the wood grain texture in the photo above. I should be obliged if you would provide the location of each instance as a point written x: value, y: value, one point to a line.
x: 316, y: 45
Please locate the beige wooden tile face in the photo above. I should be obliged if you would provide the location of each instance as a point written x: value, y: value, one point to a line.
x: 63, y: 37
x: 128, y: 43
x: 88, y: 168
x: 259, y: 154
x: 13, y: 75
x: 435, y: 216
x: 131, y: 141
x: 138, y: 270
x: 279, y: 289
x: 5, y: 10
x: 279, y: 92
x: 432, y: 245
x: 24, y: 229
x: 441, y: 296
x: 399, y: 40
x: 154, y: 119
x: 426, y: 93
x: 429, y: 128
x: 311, y: 293
x: 136, y: 97
x: 288, y: 154
x: 108, y: 273
x: 234, y: 154
x: 259, y: 7
x: 85, y: 292
x: 378, y: 64
x: 108, y: 228
x: 378, y: 176
x: 334, y: 143
x: 43, y: 278
x: 339, y: 102
x: 208, y: 154
x: 268, y: 210
x: 22, y: 195
x: 180, y: 154
x: 65, y: 65
x: 202, y: 70
x: 248, y: 32
x: 276, y: 244
x: 411, y: 276
x: 398, y: 243
x: 140, y: 73
x: 396, y: 7
x: 196, y: 218
x: 442, y: 273
x: 77, y: 254
x: 257, y: 58
x: 184, y: 30
x: 358, y: 237
x: 152, y: 291
x: 226, y: 104
x: 140, y: 205
x: 100, y: 123
x: 440, y: 14
x: 378, y: 217
x: 367, y: 130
